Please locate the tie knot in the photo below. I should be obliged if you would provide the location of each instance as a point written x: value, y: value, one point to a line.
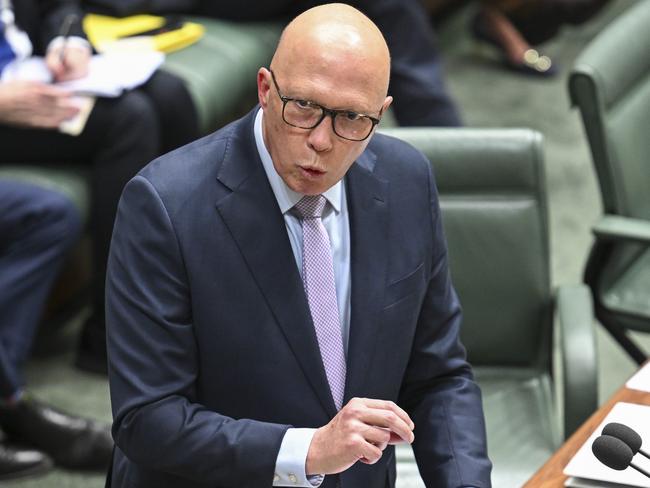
x: 311, y: 206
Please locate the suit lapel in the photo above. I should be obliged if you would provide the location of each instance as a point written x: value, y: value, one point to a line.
x: 367, y: 203
x: 254, y: 219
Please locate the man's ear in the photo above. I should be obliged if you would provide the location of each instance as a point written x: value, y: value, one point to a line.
x: 386, y: 104
x: 263, y: 86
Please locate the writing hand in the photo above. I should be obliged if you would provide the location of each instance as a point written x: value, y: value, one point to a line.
x: 360, y: 431
x: 34, y: 104
x: 72, y: 64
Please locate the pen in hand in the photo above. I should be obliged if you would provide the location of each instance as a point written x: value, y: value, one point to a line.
x: 64, y: 33
x: 68, y: 58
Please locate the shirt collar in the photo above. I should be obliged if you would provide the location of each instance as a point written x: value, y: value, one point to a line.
x: 285, y: 196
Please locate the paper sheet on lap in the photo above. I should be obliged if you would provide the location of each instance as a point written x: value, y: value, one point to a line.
x: 109, y: 74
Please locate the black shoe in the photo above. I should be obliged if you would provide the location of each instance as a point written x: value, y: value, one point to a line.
x: 17, y: 463
x: 72, y: 442
x: 91, y: 352
x: 531, y: 63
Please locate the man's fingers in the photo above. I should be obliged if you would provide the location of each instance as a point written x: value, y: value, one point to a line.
x: 388, y: 405
x: 388, y: 420
x: 369, y: 453
x: 395, y: 439
x: 377, y: 436
x: 360, y: 431
x: 382, y: 413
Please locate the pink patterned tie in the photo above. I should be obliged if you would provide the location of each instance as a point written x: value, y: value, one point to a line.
x: 318, y: 280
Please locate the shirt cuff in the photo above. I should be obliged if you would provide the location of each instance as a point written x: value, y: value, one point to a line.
x: 75, y: 41
x: 290, y: 465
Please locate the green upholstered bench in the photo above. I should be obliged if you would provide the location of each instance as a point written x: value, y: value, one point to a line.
x: 538, y: 375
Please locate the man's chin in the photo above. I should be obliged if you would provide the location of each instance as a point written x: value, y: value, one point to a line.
x: 309, y: 186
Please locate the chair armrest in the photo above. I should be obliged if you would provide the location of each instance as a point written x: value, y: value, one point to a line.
x: 617, y: 228
x: 579, y: 363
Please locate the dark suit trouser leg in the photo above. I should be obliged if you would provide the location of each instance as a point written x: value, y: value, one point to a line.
x: 417, y: 80
x: 179, y: 121
x: 37, y: 227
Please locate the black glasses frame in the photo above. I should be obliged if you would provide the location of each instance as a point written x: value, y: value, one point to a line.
x: 325, y: 112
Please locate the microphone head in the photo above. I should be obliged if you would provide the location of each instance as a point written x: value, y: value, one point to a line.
x: 612, y: 452
x: 624, y: 433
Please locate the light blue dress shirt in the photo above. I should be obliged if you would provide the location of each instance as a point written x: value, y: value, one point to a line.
x: 290, y: 465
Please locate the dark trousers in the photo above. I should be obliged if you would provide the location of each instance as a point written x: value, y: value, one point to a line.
x: 417, y: 80
x: 121, y: 136
x: 37, y: 227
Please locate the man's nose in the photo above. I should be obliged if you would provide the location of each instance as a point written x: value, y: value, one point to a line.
x: 321, y: 136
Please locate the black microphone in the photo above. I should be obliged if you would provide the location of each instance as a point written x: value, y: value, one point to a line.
x: 627, y: 435
x: 615, y: 454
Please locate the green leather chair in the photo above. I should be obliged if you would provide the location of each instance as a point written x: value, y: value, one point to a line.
x: 533, y: 349
x: 610, y: 83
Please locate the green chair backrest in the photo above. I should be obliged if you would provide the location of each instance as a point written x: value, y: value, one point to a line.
x: 493, y: 202
x: 611, y: 85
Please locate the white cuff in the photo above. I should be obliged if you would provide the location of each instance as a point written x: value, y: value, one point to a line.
x: 75, y: 41
x: 290, y: 465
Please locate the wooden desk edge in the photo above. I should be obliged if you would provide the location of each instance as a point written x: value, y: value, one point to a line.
x: 550, y: 474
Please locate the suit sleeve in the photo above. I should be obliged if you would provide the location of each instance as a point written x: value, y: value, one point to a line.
x: 439, y: 391
x: 153, y: 363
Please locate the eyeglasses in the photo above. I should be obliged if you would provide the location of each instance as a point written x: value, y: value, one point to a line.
x: 305, y: 114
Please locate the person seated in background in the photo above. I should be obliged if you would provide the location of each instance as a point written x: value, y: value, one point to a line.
x: 37, y: 228
x: 515, y: 27
x: 268, y: 321
x: 417, y: 74
x: 121, y: 134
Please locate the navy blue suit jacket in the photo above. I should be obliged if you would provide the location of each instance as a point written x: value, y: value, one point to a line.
x: 212, y: 350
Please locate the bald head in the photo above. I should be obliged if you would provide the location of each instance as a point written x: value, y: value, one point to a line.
x: 339, y: 40
x: 331, y: 62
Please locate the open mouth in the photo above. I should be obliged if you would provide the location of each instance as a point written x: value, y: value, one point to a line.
x: 311, y: 172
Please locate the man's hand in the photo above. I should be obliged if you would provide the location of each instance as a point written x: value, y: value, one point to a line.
x: 73, y: 64
x: 360, y: 432
x: 34, y: 104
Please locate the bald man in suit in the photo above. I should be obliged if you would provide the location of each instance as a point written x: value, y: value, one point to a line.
x: 279, y: 306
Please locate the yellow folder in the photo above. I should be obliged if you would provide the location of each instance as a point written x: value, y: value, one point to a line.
x: 103, y: 32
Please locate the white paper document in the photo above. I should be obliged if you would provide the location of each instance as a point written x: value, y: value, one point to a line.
x: 108, y: 75
x: 590, y: 472
x: 641, y: 380
x: 583, y: 483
